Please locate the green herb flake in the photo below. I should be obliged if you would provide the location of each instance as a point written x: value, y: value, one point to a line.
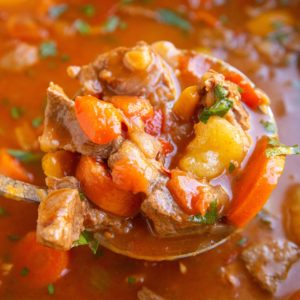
x: 37, y: 122
x: 220, y: 92
x: 14, y: 237
x: 171, y: 18
x: 51, y: 289
x: 211, y: 216
x: 231, y: 167
x: 242, y: 242
x: 87, y: 238
x: 56, y: 11
x: 24, y: 156
x: 3, y: 212
x: 270, y: 127
x: 48, y: 49
x: 111, y: 24
x: 240, y: 90
x: 16, y: 112
x: 131, y: 280
x: 89, y: 10
x: 123, y: 25
x: 24, y: 272
x: 82, y: 27
x: 65, y: 57
x: 276, y: 148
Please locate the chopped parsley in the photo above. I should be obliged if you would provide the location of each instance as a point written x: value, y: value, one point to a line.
x: 14, y: 237
x: 231, y: 167
x: 270, y: 127
x: 24, y: 272
x: 240, y: 90
x: 48, y: 49
x: 172, y: 18
x: 211, y: 216
x: 24, y: 156
x: 3, y: 212
x: 89, y: 10
x: 276, y: 148
x: 131, y: 280
x: 56, y: 11
x: 65, y: 57
x: 242, y: 242
x: 51, y: 289
x: 82, y: 27
x: 220, y: 107
x: 87, y: 238
x: 37, y: 122
x: 82, y: 196
x: 111, y: 24
x: 16, y: 112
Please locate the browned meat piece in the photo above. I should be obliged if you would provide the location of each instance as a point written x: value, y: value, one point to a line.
x: 60, y: 219
x: 55, y: 183
x: 136, y: 71
x: 269, y: 262
x: 130, y: 155
x: 146, y: 294
x: 62, y: 131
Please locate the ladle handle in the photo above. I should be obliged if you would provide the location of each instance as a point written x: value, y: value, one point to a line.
x: 21, y: 191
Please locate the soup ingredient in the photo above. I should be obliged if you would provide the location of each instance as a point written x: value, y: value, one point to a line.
x: 9, y: 166
x: 43, y: 264
x: 48, y: 49
x: 146, y: 294
x: 276, y: 148
x: 192, y: 195
x: 172, y: 18
x: 292, y: 214
x: 87, y: 238
x: 269, y: 262
x: 100, y: 189
x: 60, y: 219
x: 210, y: 217
x: 99, y: 120
x: 205, y: 155
x: 186, y: 104
x: 253, y: 188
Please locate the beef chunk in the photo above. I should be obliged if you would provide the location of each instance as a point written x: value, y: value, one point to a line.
x: 269, y: 262
x: 62, y: 131
x: 146, y: 294
x: 60, y: 219
x: 137, y: 71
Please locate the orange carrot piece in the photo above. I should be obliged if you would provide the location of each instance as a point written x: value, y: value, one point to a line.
x: 248, y: 93
x: 98, y: 186
x: 36, y: 265
x: 255, y: 185
x: 133, y: 107
x: 99, y: 120
x: 10, y: 167
x: 188, y: 192
x: 154, y: 125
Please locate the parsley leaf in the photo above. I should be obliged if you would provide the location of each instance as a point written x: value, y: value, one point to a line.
x: 24, y: 272
x: 51, y: 289
x: 170, y: 17
x: 231, y: 167
x: 82, y: 27
x: 37, y: 122
x: 48, y: 49
x: 24, y: 156
x: 89, y: 10
x: 56, y: 11
x: 16, y: 112
x: 242, y: 242
x: 13, y: 237
x: 220, y: 107
x: 277, y: 148
x: 111, y: 24
x: 210, y: 217
x: 87, y: 238
x: 269, y: 126
x: 131, y: 279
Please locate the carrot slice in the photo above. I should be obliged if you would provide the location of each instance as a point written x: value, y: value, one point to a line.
x: 133, y: 107
x: 255, y: 185
x: 36, y: 265
x: 10, y: 167
x: 98, y: 186
x: 248, y: 93
x: 189, y: 193
x: 99, y: 120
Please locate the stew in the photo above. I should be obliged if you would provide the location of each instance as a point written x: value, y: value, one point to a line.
x: 149, y: 133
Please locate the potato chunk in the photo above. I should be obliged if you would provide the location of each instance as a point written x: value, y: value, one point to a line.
x: 216, y: 144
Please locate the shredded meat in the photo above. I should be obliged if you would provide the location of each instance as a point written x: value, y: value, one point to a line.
x: 113, y: 74
x: 62, y: 131
x: 269, y: 262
